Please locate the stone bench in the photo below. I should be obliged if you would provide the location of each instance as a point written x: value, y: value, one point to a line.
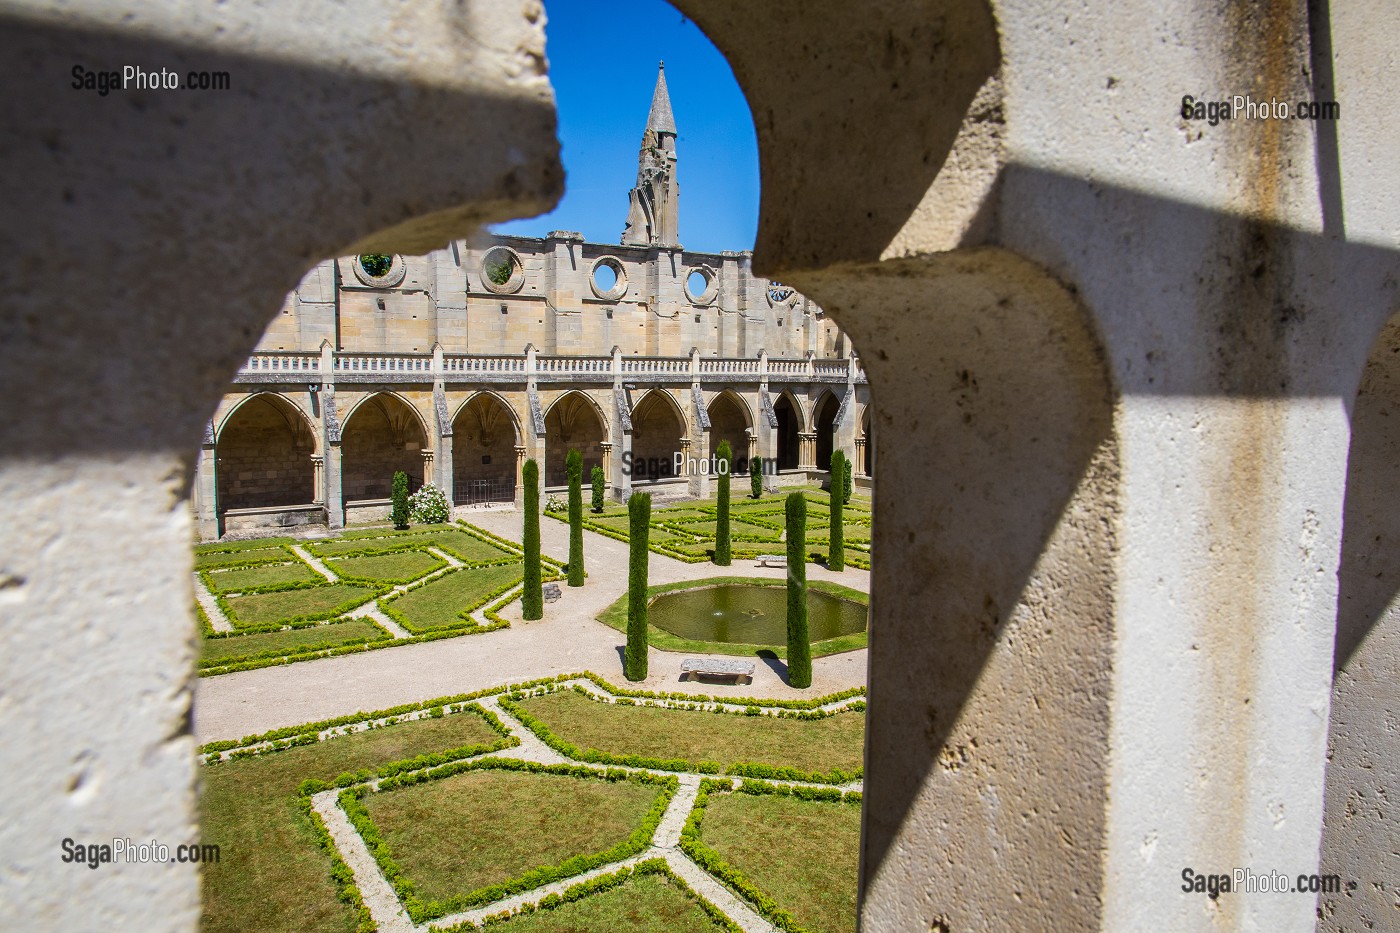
x: 771, y: 560
x: 718, y: 667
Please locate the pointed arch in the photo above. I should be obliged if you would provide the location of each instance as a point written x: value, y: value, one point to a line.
x: 573, y: 421
x: 730, y: 420
x: 658, y: 426
x: 262, y: 450
x: 791, y: 425
x: 576, y: 395
x: 287, y: 407
x: 383, y: 433
x: 824, y: 412
x: 485, y: 432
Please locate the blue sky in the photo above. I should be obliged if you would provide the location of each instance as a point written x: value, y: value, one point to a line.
x: 602, y: 61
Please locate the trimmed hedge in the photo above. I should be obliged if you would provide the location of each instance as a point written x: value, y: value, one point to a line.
x: 726, y: 455
x: 420, y: 911
x: 398, y: 513
x: 799, y: 647
x: 532, y: 596
x: 599, y: 483
x: 574, y: 465
x: 836, y: 553
x: 634, y: 661
x: 756, y: 477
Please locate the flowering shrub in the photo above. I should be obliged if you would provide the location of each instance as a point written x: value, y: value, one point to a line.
x: 555, y: 504
x: 428, y: 506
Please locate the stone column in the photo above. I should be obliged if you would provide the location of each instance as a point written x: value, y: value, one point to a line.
x: 519, y: 476
x: 206, y: 491
x: 335, y: 506
x: 427, y: 456
x: 318, y: 479
x: 858, y: 467
x: 607, y: 462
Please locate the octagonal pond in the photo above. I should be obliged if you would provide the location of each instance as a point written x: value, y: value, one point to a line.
x: 747, y: 614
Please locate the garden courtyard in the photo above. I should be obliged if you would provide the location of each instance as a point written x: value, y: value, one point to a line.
x: 485, y: 770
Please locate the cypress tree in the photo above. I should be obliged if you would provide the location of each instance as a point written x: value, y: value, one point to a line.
x: 836, y: 555
x: 532, y: 598
x: 597, y: 489
x: 634, y: 659
x: 756, y: 477
x: 573, y: 464
x: 846, y: 490
x: 725, y: 455
x: 799, y: 648
x: 399, y: 512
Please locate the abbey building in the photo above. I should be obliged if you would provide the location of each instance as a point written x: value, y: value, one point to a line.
x: 458, y: 365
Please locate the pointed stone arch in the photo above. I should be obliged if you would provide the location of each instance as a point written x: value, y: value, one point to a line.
x: 573, y: 421
x: 732, y: 421
x: 383, y: 433
x: 791, y: 425
x: 263, y: 450
x: 485, y: 432
x: 659, y: 428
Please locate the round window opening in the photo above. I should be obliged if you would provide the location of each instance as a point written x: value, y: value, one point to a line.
x: 701, y: 286
x: 501, y: 270
x: 607, y: 278
x: 376, y: 265
x: 779, y: 294
x: 379, y: 270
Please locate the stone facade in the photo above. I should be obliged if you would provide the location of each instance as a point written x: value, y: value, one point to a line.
x: 497, y: 329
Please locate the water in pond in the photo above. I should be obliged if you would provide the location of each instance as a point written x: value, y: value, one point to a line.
x: 751, y: 615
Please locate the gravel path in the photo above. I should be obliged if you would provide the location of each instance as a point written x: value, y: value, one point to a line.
x: 567, y: 640
x: 217, y: 620
x: 315, y: 563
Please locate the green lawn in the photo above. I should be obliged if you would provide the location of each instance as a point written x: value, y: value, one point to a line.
x: 643, y: 904
x: 465, y: 832
x: 819, y: 842
x: 459, y: 543
x: 205, y: 561
x: 272, y: 875
x: 816, y: 745
x: 234, y: 581
x: 440, y: 602
x: 268, y: 608
x: 401, y: 567
x: 292, y: 641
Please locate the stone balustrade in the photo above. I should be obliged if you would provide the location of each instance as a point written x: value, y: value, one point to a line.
x: 275, y: 367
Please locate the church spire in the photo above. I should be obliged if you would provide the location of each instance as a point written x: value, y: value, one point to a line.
x: 651, y: 213
x: 660, y: 119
